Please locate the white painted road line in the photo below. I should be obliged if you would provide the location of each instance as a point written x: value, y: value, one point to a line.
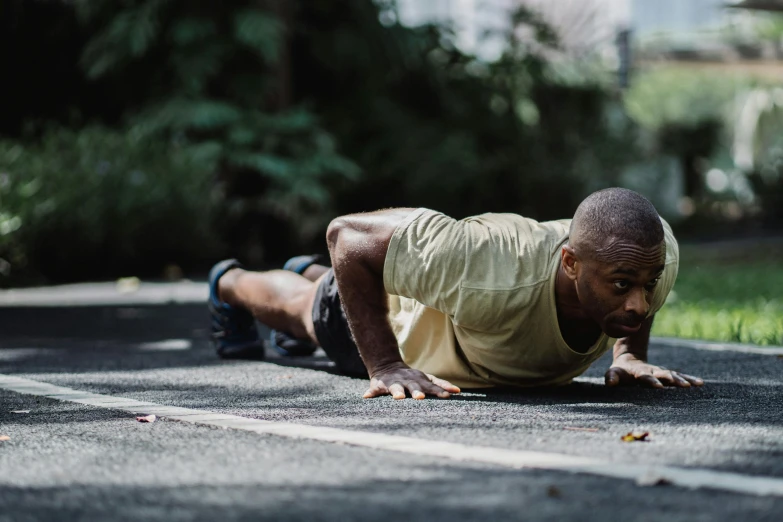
x: 713, y: 346
x: 642, y: 475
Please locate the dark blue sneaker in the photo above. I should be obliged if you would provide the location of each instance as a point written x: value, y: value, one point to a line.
x: 299, y: 264
x: 283, y: 343
x: 234, y: 332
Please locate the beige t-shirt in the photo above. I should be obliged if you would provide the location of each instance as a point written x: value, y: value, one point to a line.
x: 473, y: 301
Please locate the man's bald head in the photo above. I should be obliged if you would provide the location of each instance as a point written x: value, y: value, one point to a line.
x: 611, y: 215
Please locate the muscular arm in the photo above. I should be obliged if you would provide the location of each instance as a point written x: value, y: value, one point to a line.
x: 630, y: 364
x: 358, y: 244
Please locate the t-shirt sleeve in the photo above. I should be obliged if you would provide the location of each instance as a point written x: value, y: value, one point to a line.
x: 669, y: 276
x: 426, y: 260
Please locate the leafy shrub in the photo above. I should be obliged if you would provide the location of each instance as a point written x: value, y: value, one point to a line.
x: 430, y: 125
x: 216, y: 75
x: 97, y: 203
x: 659, y: 97
x: 311, y: 108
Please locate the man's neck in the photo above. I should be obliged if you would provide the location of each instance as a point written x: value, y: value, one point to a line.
x: 568, y: 306
x: 579, y: 331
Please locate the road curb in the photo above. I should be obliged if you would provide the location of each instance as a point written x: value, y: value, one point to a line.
x: 124, y: 292
x: 196, y: 292
x: 676, y: 342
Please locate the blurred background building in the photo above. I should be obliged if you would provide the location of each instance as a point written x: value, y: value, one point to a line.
x: 696, y: 38
x: 671, y: 16
x: 584, y: 23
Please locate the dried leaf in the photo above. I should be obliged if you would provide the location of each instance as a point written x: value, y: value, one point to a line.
x: 4, y: 438
x: 632, y: 436
x: 553, y: 492
x: 147, y: 418
x: 20, y: 411
x: 572, y: 428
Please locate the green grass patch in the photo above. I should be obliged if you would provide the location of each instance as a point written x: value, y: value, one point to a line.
x: 730, y: 293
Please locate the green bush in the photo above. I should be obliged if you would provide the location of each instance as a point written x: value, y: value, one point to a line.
x: 217, y: 74
x: 661, y: 97
x: 97, y: 203
x: 745, y: 307
x: 305, y: 110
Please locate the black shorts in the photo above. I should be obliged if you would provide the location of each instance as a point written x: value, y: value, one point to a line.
x: 332, y: 331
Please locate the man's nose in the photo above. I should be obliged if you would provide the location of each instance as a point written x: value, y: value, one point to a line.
x: 637, y: 303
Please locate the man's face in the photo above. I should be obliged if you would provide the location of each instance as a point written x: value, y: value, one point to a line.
x: 615, y: 284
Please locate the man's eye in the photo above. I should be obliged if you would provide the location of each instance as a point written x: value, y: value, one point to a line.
x: 654, y: 282
x: 621, y: 285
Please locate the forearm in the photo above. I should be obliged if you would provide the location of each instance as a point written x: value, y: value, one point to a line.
x: 365, y: 303
x: 358, y: 246
x: 635, y: 345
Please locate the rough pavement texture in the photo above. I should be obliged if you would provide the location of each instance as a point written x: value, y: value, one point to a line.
x: 72, y: 462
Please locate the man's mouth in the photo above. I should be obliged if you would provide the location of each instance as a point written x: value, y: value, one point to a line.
x: 629, y: 329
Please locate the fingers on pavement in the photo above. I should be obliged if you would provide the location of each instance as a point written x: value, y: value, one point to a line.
x: 617, y: 376
x: 650, y: 380
x: 376, y: 389
x: 397, y: 391
x: 612, y: 377
x: 695, y: 381
x: 443, y: 384
x: 418, y: 390
x: 670, y: 378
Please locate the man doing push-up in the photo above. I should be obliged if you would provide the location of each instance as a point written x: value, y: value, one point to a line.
x: 424, y: 304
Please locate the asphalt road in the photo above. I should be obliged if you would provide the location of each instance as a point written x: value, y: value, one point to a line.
x: 66, y: 461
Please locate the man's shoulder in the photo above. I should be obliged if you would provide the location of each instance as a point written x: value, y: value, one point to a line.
x: 509, y: 252
x: 672, y: 247
x: 523, y: 230
x: 510, y: 217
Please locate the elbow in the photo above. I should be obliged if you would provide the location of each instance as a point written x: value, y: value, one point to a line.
x: 335, y: 233
x: 344, y: 243
x: 358, y: 240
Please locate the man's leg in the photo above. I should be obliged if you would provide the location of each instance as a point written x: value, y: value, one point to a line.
x: 279, y: 299
x: 313, y: 272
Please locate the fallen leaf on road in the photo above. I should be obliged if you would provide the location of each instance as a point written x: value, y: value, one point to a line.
x: 4, y: 438
x: 20, y: 411
x: 148, y: 418
x: 572, y: 428
x: 553, y: 492
x: 635, y: 437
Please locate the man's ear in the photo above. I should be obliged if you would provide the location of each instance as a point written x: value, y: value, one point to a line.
x: 569, y: 261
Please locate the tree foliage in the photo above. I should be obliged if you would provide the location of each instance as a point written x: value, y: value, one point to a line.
x: 100, y: 203
x: 208, y: 76
x: 310, y: 108
x: 437, y: 127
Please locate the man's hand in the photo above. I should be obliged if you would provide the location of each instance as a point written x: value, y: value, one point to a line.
x: 627, y: 369
x: 400, y: 377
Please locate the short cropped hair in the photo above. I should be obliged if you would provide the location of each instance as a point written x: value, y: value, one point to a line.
x: 615, y: 213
